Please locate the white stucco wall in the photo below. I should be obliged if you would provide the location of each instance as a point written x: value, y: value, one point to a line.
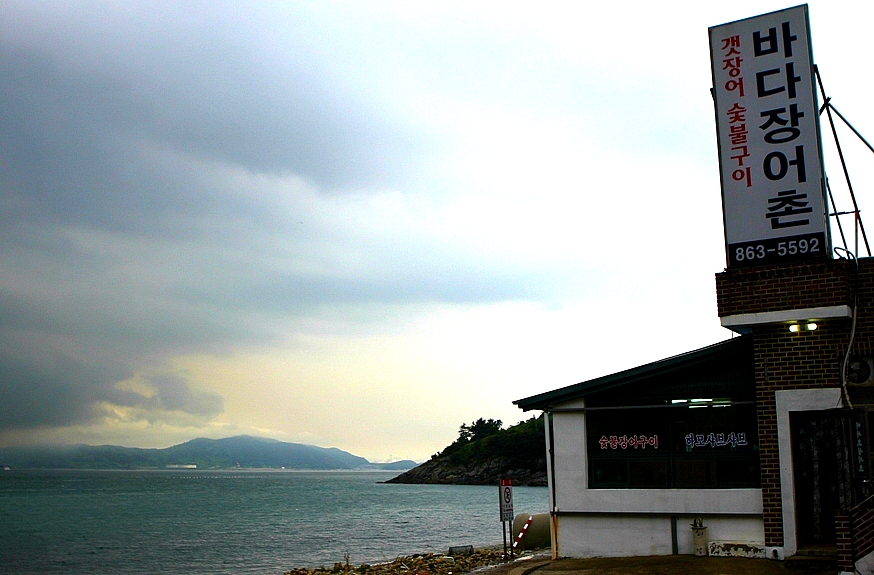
x: 570, y: 454
x: 613, y: 536
x: 620, y: 535
x: 663, y: 501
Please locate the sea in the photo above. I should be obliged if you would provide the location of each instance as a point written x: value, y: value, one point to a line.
x: 235, y: 522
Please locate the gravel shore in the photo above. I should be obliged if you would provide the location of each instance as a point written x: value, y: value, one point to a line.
x: 421, y: 564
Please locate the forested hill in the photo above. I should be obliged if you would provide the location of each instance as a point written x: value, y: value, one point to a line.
x: 484, y: 453
x: 230, y: 453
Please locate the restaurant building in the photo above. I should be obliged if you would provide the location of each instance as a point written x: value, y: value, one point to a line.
x: 757, y: 446
x: 757, y: 435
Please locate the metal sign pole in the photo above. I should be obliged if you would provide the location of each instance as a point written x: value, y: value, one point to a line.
x: 512, y: 547
x: 505, y: 496
x: 504, y: 529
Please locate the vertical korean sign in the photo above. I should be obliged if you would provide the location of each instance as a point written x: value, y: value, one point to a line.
x: 770, y: 158
x: 858, y: 444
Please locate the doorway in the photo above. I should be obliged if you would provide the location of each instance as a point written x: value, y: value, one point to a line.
x: 821, y: 461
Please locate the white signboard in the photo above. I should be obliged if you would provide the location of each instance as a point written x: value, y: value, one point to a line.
x: 506, y: 495
x: 770, y: 160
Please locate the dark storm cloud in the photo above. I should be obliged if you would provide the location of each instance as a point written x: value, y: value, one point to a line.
x: 174, y: 393
x: 68, y: 161
x: 96, y: 123
x: 51, y: 389
x: 77, y: 113
x: 57, y: 390
x: 120, y: 246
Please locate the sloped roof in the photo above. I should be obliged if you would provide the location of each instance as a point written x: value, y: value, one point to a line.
x: 737, y: 350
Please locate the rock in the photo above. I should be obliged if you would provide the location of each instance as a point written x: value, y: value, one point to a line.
x: 424, y: 564
x: 490, y: 472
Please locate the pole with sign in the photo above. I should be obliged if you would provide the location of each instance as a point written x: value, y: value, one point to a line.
x: 506, y: 500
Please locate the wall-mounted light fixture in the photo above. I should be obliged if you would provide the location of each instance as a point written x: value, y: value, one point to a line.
x: 702, y: 402
x: 808, y: 326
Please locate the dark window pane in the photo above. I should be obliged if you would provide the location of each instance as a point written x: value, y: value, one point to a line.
x: 739, y: 472
x: 695, y: 473
x: 652, y: 473
x: 609, y: 473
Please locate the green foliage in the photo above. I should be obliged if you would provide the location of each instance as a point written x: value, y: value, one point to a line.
x: 521, y: 445
x: 479, y: 429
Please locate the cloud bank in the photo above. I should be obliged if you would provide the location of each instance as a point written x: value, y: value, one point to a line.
x: 221, y: 216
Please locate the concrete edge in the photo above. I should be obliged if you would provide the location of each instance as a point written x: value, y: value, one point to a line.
x: 529, y: 568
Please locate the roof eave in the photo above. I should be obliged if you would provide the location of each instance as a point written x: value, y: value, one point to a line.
x: 544, y: 401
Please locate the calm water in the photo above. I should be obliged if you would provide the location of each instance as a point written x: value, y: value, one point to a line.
x: 199, y: 522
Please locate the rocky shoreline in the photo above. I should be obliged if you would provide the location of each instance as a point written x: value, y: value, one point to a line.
x: 441, y: 471
x: 421, y: 564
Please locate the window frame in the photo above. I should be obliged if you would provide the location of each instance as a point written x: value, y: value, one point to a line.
x: 731, y: 465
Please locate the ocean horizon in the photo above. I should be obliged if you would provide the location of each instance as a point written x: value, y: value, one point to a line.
x: 225, y: 522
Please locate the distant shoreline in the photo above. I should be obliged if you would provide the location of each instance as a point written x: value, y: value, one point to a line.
x: 243, y: 452
x: 202, y: 470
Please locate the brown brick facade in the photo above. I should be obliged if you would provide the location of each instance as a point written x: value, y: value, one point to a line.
x: 792, y: 361
x: 855, y: 534
x: 784, y: 287
x: 844, y: 541
x: 786, y: 361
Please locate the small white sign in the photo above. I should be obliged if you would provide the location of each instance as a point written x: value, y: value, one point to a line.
x: 506, y: 494
x: 770, y: 158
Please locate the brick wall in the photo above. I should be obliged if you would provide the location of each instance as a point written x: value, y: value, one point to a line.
x: 844, y: 540
x: 784, y: 287
x: 861, y: 520
x: 786, y: 361
x: 791, y: 361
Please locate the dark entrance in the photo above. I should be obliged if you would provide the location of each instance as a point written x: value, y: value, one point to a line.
x: 821, y: 457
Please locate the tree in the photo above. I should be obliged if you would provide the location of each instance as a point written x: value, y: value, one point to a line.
x: 479, y: 429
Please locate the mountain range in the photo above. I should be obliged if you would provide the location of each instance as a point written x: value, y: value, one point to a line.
x: 242, y: 451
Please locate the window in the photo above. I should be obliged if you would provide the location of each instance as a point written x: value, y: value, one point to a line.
x: 677, y: 447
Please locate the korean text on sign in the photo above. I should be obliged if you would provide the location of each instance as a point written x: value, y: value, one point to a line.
x: 628, y: 441
x: 712, y: 440
x: 769, y: 144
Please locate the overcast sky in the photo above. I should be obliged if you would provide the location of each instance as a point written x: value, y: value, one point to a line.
x: 358, y: 224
